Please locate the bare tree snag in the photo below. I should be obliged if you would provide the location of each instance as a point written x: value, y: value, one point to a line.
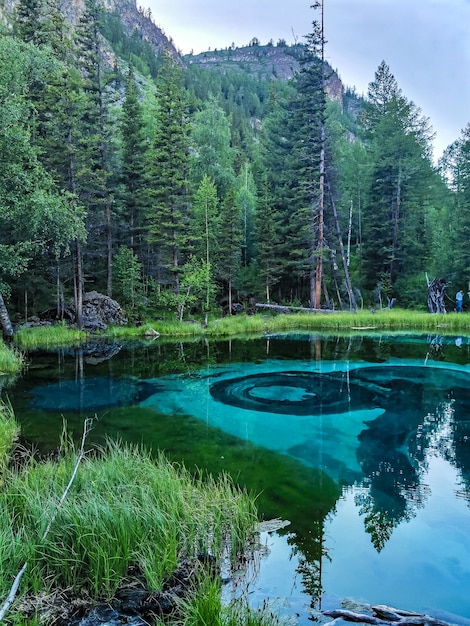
x: 5, y: 321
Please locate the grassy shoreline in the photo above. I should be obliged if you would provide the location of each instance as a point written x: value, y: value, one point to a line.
x: 260, y: 324
x: 397, y: 320
x: 125, y: 511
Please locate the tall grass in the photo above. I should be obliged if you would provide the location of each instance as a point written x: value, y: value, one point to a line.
x: 162, y: 327
x: 259, y: 324
x: 11, y: 361
x: 9, y: 431
x: 392, y: 320
x: 205, y: 608
x: 49, y: 336
x: 125, y: 509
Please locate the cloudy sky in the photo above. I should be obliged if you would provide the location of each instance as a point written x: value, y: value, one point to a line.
x: 426, y: 43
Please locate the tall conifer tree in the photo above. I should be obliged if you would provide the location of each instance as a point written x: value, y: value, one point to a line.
x: 306, y: 222
x: 167, y: 218
x: 95, y: 166
x: 134, y: 154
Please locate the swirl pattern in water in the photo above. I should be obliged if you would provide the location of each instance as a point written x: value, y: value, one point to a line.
x: 293, y: 393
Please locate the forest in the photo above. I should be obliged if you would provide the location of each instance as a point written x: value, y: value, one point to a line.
x: 181, y: 190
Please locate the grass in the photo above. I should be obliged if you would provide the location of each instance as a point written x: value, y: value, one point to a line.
x: 9, y: 432
x: 48, y: 336
x: 257, y: 325
x: 11, y: 360
x: 125, y: 509
x: 205, y: 608
x: 390, y: 320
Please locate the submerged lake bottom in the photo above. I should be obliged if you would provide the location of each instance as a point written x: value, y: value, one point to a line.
x: 360, y: 445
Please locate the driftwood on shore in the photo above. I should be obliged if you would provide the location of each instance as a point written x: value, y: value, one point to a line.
x: 278, y: 308
x: 382, y: 615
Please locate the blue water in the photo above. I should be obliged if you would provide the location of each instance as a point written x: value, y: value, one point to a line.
x: 362, y: 446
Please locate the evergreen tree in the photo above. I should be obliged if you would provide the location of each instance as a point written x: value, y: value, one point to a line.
x: 95, y: 167
x: 134, y: 155
x: 307, y: 219
x: 455, y: 164
x: 36, y: 217
x: 268, y: 240
x: 230, y: 244
x: 394, y: 236
x: 246, y: 200
x: 280, y: 184
x: 167, y: 218
x: 30, y: 22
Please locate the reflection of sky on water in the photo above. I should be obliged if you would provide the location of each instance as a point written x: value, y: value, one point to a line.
x: 424, y: 566
x: 421, y: 562
x: 398, y: 535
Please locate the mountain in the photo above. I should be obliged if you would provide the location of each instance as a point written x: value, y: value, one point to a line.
x: 264, y: 62
x: 134, y: 20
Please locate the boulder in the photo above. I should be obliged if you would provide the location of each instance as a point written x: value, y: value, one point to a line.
x: 99, y: 311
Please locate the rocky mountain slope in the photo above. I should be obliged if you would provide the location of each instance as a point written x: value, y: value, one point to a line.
x: 133, y: 18
x: 265, y: 62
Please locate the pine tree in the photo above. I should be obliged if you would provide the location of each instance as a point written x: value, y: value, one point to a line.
x: 456, y: 220
x: 268, y: 240
x: 230, y: 243
x: 95, y: 165
x: 309, y: 111
x: 36, y: 216
x: 167, y: 217
x: 394, y: 237
x: 134, y: 154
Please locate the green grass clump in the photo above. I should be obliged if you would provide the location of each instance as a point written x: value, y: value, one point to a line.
x: 11, y: 361
x: 9, y: 431
x: 124, y: 509
x: 162, y: 327
x: 205, y: 608
x: 48, y: 336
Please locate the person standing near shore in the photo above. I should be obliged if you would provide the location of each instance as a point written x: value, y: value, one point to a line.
x: 459, y: 301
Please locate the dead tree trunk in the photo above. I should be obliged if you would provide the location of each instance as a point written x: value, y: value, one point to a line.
x: 347, y: 278
x: 436, y: 294
x: 5, y: 321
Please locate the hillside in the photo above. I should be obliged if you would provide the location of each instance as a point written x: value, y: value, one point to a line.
x: 133, y: 19
x: 263, y: 62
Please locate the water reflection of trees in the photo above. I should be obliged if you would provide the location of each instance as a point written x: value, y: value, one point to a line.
x: 426, y: 413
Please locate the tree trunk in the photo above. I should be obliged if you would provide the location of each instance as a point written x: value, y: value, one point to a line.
x: 319, y: 272
x: 78, y: 284
x: 347, y: 278
x: 5, y: 321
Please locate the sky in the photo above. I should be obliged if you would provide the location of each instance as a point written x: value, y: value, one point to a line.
x: 425, y: 43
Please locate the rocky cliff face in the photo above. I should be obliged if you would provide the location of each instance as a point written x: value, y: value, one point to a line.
x: 141, y: 20
x: 132, y: 17
x: 265, y: 62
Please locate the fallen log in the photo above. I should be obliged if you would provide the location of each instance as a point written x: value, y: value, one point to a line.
x: 278, y: 308
x: 386, y: 616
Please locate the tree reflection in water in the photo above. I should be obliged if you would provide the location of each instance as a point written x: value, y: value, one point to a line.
x: 343, y: 413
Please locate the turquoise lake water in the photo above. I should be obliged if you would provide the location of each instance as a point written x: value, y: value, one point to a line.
x: 359, y: 444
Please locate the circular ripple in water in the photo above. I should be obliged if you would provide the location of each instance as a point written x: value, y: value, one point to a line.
x: 293, y: 393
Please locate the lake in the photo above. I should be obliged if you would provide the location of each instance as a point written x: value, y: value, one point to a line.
x: 359, y: 444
